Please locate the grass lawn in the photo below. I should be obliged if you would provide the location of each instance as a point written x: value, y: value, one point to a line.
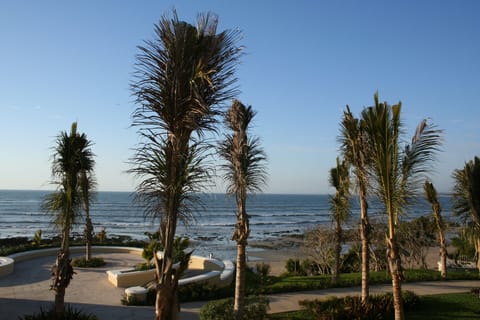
x: 458, y: 306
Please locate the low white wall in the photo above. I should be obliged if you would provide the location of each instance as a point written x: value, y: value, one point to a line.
x: 6, y: 266
x: 33, y: 254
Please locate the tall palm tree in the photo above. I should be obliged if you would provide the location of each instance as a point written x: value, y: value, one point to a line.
x: 88, y: 185
x: 181, y: 78
x: 244, y: 172
x: 340, y: 208
x: 72, y: 155
x: 466, y: 198
x: 397, y: 174
x: 431, y: 195
x: 353, y: 147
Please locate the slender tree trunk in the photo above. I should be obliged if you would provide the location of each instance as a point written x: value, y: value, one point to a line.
x: 365, y: 237
x: 239, y: 304
x: 477, y: 251
x: 62, y: 273
x: 166, y: 303
x: 396, y: 273
x: 443, y: 255
x: 338, y: 249
x: 88, y: 237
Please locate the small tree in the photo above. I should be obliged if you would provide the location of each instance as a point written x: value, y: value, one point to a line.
x: 396, y: 174
x: 340, y: 208
x: 431, y: 196
x: 72, y: 156
x: 466, y: 199
x: 244, y: 172
x: 354, y: 148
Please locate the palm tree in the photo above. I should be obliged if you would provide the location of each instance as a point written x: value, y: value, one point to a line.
x: 340, y: 208
x: 354, y: 150
x: 431, y: 195
x: 88, y: 185
x: 397, y: 175
x: 72, y: 155
x: 244, y: 172
x: 466, y: 198
x: 181, y: 78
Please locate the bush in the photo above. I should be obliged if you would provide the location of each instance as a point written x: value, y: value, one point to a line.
x: 92, y: 263
x: 378, y: 306
x: 256, y: 307
x: 70, y: 314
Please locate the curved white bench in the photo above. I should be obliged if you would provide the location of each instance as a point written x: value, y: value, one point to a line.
x: 6, y: 266
x: 33, y: 254
x: 228, y: 271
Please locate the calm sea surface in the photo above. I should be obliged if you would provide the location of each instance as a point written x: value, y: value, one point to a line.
x: 272, y: 216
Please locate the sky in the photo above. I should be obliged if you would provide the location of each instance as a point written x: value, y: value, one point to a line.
x: 66, y: 61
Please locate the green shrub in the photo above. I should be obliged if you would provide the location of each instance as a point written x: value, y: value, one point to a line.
x: 94, y: 262
x: 293, y: 267
x: 144, y: 266
x: 203, y: 291
x: 256, y: 307
x: 37, y: 238
x: 70, y: 314
x: 378, y: 306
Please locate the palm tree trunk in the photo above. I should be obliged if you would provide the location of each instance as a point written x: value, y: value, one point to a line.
x: 443, y: 255
x: 396, y: 273
x: 365, y: 237
x: 477, y: 251
x: 338, y: 249
x: 88, y: 237
x: 239, y: 303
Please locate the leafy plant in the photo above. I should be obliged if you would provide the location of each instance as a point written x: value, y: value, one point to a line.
x: 94, y: 262
x: 102, y: 235
x: 70, y: 314
x: 37, y: 238
x: 351, y: 307
x: 256, y: 307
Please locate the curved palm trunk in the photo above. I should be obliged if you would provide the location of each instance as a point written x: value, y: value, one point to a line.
x: 365, y: 237
x: 443, y: 255
x: 240, y: 236
x: 338, y: 249
x: 62, y: 272
x: 239, y: 303
x: 396, y: 271
x: 88, y: 236
x: 167, y: 304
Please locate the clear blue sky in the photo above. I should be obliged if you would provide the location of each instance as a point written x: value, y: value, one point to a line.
x: 65, y: 61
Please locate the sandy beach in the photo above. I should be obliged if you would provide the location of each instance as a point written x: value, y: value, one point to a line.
x: 276, y: 252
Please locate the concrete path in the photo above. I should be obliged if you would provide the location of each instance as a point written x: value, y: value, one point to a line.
x: 27, y: 289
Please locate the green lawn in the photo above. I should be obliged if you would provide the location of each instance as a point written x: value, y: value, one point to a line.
x: 458, y: 306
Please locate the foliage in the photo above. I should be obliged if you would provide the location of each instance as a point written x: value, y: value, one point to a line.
x: 70, y: 314
x: 415, y: 237
x: 152, y: 246
x: 102, y: 235
x: 93, y: 262
x: 37, y: 238
x: 463, y: 244
x: 256, y: 307
x: 263, y: 270
x: 459, y: 306
x: 320, y: 248
x: 351, y: 307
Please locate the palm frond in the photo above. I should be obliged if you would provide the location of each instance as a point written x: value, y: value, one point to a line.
x: 466, y: 191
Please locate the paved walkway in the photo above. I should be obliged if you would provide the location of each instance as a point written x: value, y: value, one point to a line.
x: 27, y: 289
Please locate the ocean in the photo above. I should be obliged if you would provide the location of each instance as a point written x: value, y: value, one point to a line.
x: 271, y: 216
